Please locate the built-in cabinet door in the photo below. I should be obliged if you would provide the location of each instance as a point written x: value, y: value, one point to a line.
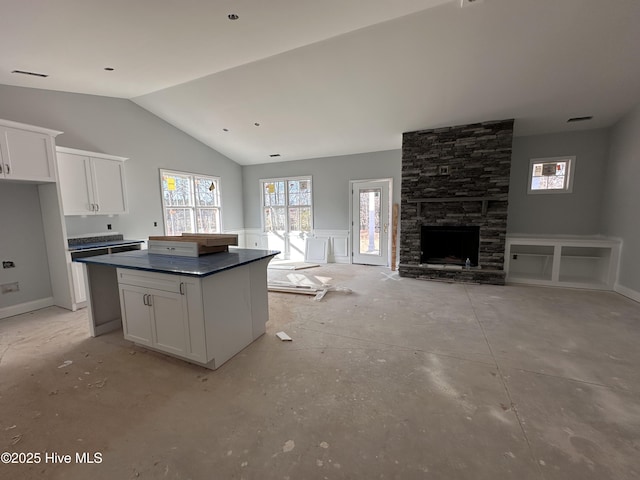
x: 75, y: 184
x: 169, y: 321
x: 108, y: 186
x: 26, y: 155
x: 136, y: 314
x: 91, y: 185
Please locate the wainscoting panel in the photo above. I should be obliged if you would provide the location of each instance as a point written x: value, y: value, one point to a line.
x: 338, y: 244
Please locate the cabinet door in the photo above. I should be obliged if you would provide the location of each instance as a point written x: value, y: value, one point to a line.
x: 108, y: 186
x: 136, y: 314
x: 169, y: 316
x: 28, y: 156
x: 75, y: 184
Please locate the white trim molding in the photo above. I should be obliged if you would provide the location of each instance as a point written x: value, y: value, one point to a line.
x: 25, y: 307
x: 627, y: 292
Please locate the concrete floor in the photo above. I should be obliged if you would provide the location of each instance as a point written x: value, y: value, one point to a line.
x: 401, y: 379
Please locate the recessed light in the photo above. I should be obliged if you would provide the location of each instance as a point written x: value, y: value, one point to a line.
x: 579, y: 119
x: 33, y: 74
x: 233, y: 16
x: 109, y: 69
x: 257, y: 124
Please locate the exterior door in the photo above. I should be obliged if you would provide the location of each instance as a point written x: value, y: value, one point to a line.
x: 370, y: 222
x: 287, y: 211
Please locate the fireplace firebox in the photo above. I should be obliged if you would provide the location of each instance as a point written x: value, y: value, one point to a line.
x: 449, y: 245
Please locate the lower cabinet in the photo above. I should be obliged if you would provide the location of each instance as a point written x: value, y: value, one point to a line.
x: 163, y: 312
x: 206, y: 320
x: 576, y: 262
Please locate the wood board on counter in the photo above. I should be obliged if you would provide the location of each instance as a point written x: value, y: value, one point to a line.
x: 192, y: 244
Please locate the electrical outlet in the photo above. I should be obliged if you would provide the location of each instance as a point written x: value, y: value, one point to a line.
x: 8, y: 264
x: 155, y: 224
x: 10, y: 287
x: 515, y: 256
x: 108, y: 226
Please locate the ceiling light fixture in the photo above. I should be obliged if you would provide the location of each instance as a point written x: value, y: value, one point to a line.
x: 257, y: 124
x: 225, y: 129
x: 33, y: 74
x: 579, y: 119
x: 233, y: 16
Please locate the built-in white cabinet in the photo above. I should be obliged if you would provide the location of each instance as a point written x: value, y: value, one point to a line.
x: 27, y: 153
x: 91, y: 183
x: 578, y: 262
x: 164, y: 312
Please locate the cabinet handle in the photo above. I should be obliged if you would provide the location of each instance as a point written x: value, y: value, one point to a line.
x: 144, y: 299
x: 149, y: 300
x: 0, y: 168
x: 8, y: 167
x: 181, y: 288
x: 97, y: 207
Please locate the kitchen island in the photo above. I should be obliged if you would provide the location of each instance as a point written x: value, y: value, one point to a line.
x: 203, y: 310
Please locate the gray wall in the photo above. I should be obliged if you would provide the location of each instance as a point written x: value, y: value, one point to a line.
x: 621, y: 217
x: 22, y: 241
x: 331, y: 178
x: 120, y: 127
x: 577, y: 213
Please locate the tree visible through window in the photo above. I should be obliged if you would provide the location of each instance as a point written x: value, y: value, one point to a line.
x: 190, y: 203
x: 551, y: 175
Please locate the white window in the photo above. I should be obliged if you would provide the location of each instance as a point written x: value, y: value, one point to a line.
x: 287, y: 214
x: 190, y: 203
x: 551, y: 175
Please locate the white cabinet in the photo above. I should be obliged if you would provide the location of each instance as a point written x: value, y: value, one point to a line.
x: 164, y: 312
x: 578, y: 262
x: 91, y: 183
x: 26, y: 152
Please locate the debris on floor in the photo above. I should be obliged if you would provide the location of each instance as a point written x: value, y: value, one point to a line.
x: 290, y: 265
x: 284, y: 337
x: 299, y: 283
x: 65, y: 364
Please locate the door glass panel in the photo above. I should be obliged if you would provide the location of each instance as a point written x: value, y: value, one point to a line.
x: 274, y: 219
x: 369, y: 207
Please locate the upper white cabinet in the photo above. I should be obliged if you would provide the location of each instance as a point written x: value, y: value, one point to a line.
x: 27, y: 152
x: 91, y: 183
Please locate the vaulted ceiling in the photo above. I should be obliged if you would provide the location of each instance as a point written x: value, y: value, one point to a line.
x: 307, y: 79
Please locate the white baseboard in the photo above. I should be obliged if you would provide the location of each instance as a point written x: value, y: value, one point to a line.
x: 627, y: 292
x: 25, y: 307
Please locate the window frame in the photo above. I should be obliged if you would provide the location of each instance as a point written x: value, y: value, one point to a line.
x: 568, y: 183
x: 286, y: 206
x: 194, y: 204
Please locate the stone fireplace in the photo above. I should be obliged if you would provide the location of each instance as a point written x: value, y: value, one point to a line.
x: 455, y: 188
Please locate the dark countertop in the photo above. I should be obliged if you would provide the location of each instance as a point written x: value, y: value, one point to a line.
x: 202, y: 266
x: 105, y: 244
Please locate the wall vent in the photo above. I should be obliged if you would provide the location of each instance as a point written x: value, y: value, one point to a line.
x: 579, y: 119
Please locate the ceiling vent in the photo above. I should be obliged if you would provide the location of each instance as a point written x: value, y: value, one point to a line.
x: 579, y: 119
x: 33, y: 74
x: 467, y: 3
